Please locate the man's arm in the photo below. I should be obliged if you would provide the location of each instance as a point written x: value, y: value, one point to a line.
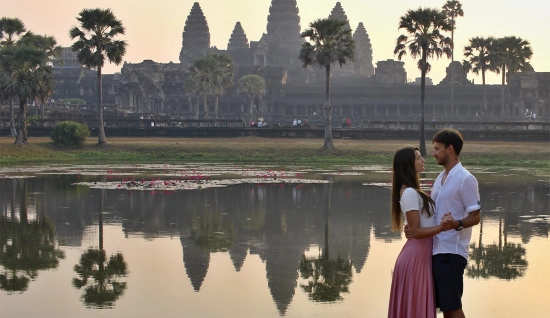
x: 472, y: 219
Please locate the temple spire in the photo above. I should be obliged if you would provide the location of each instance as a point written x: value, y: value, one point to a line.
x: 238, y: 39
x: 283, y: 33
x: 196, y: 36
x: 363, y: 52
x: 338, y: 13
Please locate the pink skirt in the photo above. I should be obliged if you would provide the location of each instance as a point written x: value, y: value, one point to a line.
x: 412, y: 289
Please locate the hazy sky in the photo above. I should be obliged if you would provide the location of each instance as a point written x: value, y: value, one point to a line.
x: 154, y: 28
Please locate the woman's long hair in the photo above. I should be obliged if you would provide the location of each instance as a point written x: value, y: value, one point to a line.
x: 404, y: 174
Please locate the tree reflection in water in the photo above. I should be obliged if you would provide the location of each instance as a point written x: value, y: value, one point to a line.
x: 327, y: 278
x: 26, y: 247
x: 98, y: 277
x: 505, y: 260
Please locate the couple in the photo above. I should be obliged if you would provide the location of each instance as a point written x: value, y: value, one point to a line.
x: 429, y: 270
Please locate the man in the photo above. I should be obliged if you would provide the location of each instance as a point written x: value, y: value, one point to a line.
x: 455, y: 190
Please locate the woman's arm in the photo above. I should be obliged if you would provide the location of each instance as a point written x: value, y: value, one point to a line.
x: 413, y: 219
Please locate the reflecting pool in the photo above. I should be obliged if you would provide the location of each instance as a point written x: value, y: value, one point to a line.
x: 246, y: 241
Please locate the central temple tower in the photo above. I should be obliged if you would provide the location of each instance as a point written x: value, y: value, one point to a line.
x: 283, y: 33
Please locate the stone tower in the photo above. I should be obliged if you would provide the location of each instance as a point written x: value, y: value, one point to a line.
x: 238, y: 47
x: 363, y: 52
x: 283, y: 33
x: 196, y: 36
x: 338, y: 13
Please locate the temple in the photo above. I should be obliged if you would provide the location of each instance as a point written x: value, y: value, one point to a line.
x: 363, y: 89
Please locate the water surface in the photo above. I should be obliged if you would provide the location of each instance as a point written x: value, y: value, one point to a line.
x: 246, y: 241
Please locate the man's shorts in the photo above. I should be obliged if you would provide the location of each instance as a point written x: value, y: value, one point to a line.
x: 448, y: 271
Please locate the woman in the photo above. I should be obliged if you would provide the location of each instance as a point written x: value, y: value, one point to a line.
x: 412, y: 289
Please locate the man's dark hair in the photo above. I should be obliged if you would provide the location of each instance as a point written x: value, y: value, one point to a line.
x: 448, y: 137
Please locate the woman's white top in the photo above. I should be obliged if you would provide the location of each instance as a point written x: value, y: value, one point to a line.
x: 410, y: 201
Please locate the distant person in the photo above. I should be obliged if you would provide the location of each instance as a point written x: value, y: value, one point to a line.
x: 344, y: 122
x: 455, y: 190
x: 348, y: 122
x: 294, y: 123
x: 412, y: 289
x: 305, y: 122
x: 299, y: 123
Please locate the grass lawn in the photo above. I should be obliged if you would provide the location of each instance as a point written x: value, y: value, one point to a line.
x: 256, y: 149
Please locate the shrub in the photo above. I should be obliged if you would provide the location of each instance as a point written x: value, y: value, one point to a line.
x: 70, y: 134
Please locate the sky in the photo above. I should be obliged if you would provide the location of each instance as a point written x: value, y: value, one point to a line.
x: 154, y: 28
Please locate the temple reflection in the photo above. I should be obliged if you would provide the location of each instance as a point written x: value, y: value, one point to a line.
x: 312, y: 238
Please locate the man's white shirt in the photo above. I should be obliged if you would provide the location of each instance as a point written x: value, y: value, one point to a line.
x: 460, y: 196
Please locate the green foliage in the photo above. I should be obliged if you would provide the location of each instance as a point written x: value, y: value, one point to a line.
x: 70, y: 134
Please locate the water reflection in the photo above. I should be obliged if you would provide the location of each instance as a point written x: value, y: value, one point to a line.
x: 326, y: 277
x: 98, y: 277
x: 314, y: 240
x: 503, y: 260
x: 26, y: 246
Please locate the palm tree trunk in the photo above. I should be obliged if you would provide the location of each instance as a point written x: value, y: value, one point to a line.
x: 502, y: 111
x: 205, y: 106
x: 13, y: 131
x: 42, y: 112
x: 484, y: 110
x: 21, y: 129
x: 198, y: 106
x: 101, y: 130
x: 329, y: 143
x: 216, y: 106
x: 251, y: 108
x: 422, y: 95
x: 508, y: 102
x: 452, y: 70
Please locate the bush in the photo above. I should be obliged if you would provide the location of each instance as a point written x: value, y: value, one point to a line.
x: 70, y: 134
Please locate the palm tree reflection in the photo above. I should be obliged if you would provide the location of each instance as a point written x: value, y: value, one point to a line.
x: 505, y: 260
x: 99, y: 277
x: 26, y: 247
x: 327, y: 278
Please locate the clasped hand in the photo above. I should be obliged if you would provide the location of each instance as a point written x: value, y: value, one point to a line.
x: 447, y: 223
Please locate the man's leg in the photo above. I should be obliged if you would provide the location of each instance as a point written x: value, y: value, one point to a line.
x: 448, y: 271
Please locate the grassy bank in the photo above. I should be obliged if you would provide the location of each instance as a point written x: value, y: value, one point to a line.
x: 255, y: 149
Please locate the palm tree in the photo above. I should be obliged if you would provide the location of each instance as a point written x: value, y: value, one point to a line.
x: 252, y: 86
x: 25, y: 75
x: 11, y: 28
x: 452, y: 9
x: 202, y: 73
x: 512, y: 53
x: 48, y: 45
x: 328, y: 42
x: 191, y: 86
x: 426, y: 41
x: 224, y: 71
x: 98, y: 28
x: 479, y: 58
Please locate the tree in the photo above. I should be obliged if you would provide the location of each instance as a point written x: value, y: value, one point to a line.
x: 452, y: 9
x: 191, y: 85
x: 426, y: 41
x: 252, y: 86
x: 479, y: 58
x: 224, y: 71
x: 96, y: 43
x: 201, y: 73
x: 25, y: 74
x: 327, y: 42
x: 48, y: 45
x: 10, y: 28
x: 512, y: 53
